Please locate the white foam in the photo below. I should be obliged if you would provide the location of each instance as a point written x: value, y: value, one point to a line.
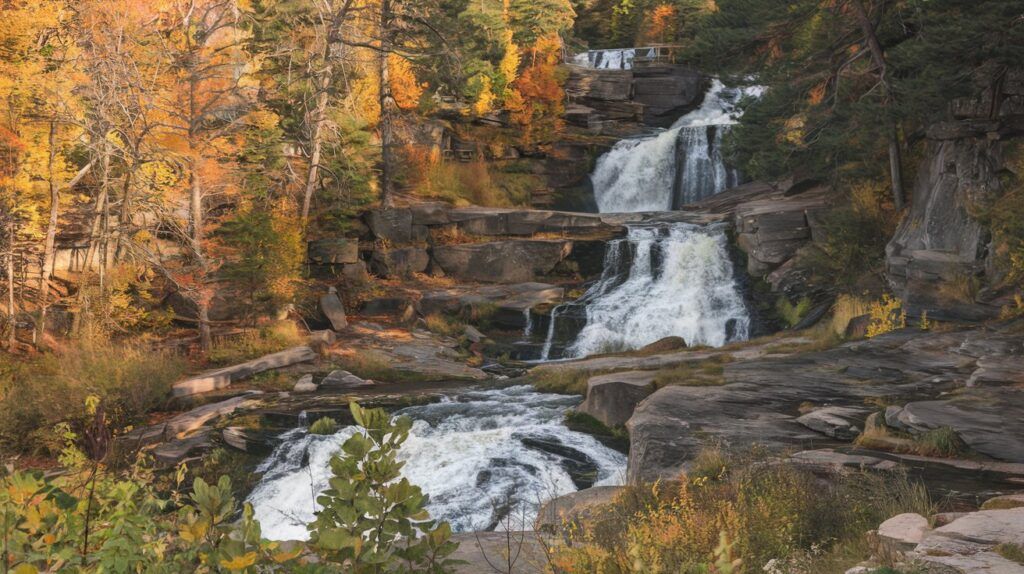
x: 466, y: 453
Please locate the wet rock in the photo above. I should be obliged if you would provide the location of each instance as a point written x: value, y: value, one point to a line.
x: 340, y: 380
x: 332, y: 308
x: 828, y: 460
x: 611, y: 399
x: 665, y: 345
x: 667, y: 92
x: 502, y: 261
x: 305, y: 384
x: 249, y: 440
x: 222, y: 378
x: 574, y: 508
x: 837, y: 422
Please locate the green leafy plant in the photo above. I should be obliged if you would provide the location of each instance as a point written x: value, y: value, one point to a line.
x: 324, y: 426
x: 372, y: 518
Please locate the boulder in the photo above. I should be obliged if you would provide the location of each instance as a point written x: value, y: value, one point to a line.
x: 355, y: 272
x: 399, y: 262
x: 305, y: 384
x: 904, y: 531
x: 611, y: 399
x: 574, y: 508
x: 502, y: 261
x: 222, y: 378
x: 392, y: 225
x: 332, y: 308
x: 333, y: 251
x: 430, y: 213
x: 664, y: 345
x: 857, y: 328
x: 343, y: 381
x: 1004, y: 502
x: 837, y: 422
x: 968, y: 544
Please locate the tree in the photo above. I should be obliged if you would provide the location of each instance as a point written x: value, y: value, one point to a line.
x: 204, y: 101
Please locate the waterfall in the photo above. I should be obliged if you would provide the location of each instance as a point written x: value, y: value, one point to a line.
x: 484, y: 457
x: 679, y: 282
x: 677, y: 166
x: 665, y: 279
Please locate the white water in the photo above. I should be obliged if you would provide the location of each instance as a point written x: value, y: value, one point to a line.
x: 646, y: 174
x: 612, y: 59
x: 467, y: 453
x: 678, y: 282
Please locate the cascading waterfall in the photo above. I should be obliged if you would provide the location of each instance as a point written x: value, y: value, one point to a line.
x: 681, y: 165
x: 666, y: 279
x: 484, y: 457
x: 678, y: 282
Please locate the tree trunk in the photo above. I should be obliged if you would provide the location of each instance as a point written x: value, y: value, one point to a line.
x: 386, y: 103
x: 316, y: 140
x: 12, y: 320
x: 202, y: 304
x: 49, y: 250
x: 878, y: 56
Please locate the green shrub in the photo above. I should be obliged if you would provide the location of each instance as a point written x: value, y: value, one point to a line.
x: 372, y: 519
x: 790, y: 313
x: 128, y: 380
x: 324, y: 426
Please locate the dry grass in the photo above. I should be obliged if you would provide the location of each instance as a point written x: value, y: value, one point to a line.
x: 444, y: 325
x: 249, y: 345
x: 564, y: 381
x: 707, y: 373
x: 848, y: 307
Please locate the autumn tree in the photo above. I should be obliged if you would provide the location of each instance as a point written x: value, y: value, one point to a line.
x: 204, y: 99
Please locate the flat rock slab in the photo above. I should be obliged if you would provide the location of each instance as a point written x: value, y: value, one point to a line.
x: 968, y: 543
x: 612, y: 398
x: 761, y: 399
x: 516, y: 298
x: 343, y: 380
x: 989, y: 420
x: 828, y: 460
x: 222, y: 378
x: 574, y: 507
x: 484, y: 552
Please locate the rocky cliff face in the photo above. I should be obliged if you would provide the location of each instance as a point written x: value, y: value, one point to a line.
x: 940, y: 259
x: 654, y: 95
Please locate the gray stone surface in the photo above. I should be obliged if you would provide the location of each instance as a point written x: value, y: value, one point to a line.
x: 399, y: 262
x: 563, y: 511
x: 392, y: 225
x: 305, y: 384
x: 611, y: 399
x: 968, y: 543
x: 340, y: 380
x: 333, y: 251
x: 484, y: 552
x: 904, y: 530
x: 332, y: 308
x: 843, y: 423
x: 502, y: 261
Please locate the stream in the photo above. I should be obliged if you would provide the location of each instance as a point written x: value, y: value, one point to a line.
x: 486, y: 457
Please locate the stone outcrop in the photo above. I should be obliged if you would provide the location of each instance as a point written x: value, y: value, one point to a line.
x: 760, y: 400
x: 512, y: 261
x: 612, y: 398
x: 941, y: 258
x: 562, y: 512
x: 970, y: 544
x: 656, y: 95
x: 771, y: 230
x: 513, y: 302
